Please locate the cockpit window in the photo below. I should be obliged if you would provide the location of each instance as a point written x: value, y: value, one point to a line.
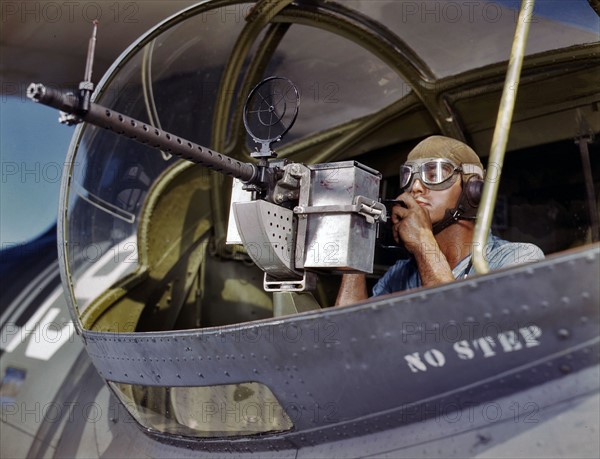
x: 328, y: 69
x: 211, y: 411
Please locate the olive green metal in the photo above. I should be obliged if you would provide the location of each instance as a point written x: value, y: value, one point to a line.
x: 148, y: 91
x: 288, y: 303
x: 500, y: 139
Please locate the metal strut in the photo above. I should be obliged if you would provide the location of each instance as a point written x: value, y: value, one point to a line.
x: 500, y: 139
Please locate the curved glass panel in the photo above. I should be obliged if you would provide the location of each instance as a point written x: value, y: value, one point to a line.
x: 337, y: 79
x: 212, y: 411
x: 171, y: 83
x: 453, y: 37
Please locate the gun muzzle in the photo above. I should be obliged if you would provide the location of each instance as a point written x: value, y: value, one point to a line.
x: 66, y: 102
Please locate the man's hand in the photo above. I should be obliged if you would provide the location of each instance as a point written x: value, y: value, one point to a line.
x: 411, y: 223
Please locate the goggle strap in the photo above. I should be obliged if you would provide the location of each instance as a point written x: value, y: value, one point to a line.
x: 468, y: 168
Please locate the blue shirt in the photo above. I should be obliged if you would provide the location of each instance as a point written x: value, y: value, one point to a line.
x: 499, y: 253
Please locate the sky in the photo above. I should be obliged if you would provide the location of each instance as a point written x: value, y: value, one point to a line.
x: 33, y: 149
x: 575, y: 12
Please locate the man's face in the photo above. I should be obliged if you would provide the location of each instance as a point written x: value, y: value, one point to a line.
x: 436, y: 202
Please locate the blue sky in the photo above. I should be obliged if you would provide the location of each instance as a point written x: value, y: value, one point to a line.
x: 574, y: 12
x: 33, y: 148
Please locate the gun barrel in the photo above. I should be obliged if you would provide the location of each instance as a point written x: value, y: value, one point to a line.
x: 141, y: 132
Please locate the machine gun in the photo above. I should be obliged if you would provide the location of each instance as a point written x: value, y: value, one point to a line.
x: 292, y: 219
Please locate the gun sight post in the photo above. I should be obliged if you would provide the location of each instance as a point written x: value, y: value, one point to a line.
x: 89, y: 63
x: 86, y: 87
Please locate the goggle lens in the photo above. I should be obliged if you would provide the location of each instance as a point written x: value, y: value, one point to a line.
x: 436, y: 172
x: 433, y: 172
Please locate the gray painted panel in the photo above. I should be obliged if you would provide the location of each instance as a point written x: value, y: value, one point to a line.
x: 347, y: 366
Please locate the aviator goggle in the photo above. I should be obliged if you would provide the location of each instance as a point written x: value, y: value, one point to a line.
x: 436, y: 173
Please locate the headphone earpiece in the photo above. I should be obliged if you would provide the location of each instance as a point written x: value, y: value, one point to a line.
x: 473, y: 188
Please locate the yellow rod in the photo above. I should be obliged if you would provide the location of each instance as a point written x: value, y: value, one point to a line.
x: 500, y: 139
